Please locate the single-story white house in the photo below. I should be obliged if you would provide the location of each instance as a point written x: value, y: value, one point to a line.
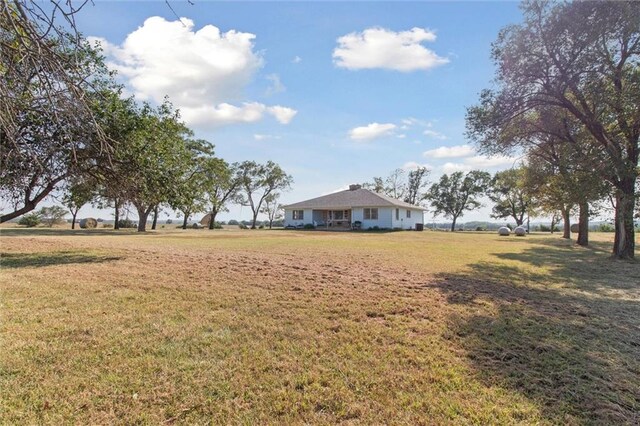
x: 355, y: 207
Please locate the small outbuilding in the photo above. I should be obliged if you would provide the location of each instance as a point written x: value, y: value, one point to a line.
x: 354, y: 208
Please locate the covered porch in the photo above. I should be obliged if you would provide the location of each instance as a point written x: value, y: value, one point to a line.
x: 332, y: 219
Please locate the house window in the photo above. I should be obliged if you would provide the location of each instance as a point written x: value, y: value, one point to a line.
x: 298, y: 215
x: 408, y: 214
x: 397, y: 214
x: 370, y: 214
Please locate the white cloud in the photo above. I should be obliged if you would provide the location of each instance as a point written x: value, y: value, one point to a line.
x: 450, y: 152
x: 371, y: 131
x: 455, y: 167
x: 260, y: 137
x: 224, y: 114
x: 382, y: 48
x: 276, y: 85
x: 401, y: 136
x: 478, y: 162
x: 296, y: 60
x: 411, y: 121
x: 433, y: 134
x: 284, y: 115
x: 203, y: 72
x: 481, y: 161
x: 412, y: 165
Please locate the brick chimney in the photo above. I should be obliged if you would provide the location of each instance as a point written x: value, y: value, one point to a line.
x: 354, y: 187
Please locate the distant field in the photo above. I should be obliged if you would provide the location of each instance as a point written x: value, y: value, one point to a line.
x: 281, y: 327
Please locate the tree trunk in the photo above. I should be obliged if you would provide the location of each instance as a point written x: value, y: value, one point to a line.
x: 255, y: 219
x: 624, y: 242
x: 519, y: 220
x: 185, y: 221
x: 453, y: 224
x: 73, y: 219
x: 583, y: 224
x: 270, y: 223
x: 143, y: 215
x: 566, y: 231
x: 212, y: 221
x: 117, y: 214
x: 155, y: 218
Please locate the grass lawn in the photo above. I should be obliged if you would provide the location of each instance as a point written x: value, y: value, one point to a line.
x: 282, y: 327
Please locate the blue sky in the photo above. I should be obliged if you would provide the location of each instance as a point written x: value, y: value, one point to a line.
x: 336, y: 93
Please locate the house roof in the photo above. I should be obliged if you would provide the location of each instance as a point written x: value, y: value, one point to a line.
x: 352, y: 198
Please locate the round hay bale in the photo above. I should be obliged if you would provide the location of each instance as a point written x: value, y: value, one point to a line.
x: 520, y: 231
x: 575, y: 227
x: 88, y: 223
x: 205, y: 220
x: 504, y: 231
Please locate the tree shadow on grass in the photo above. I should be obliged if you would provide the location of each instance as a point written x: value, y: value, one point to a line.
x: 30, y: 260
x: 562, y: 327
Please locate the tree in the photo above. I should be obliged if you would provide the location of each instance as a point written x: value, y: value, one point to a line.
x: 259, y: 181
x: 77, y: 195
x: 456, y: 193
x: 579, y: 61
x: 221, y: 183
x: 395, y: 184
x: 151, y: 159
x: 52, y: 215
x: 509, y: 193
x: 557, y: 176
x: 272, y: 208
x: 119, y: 118
x: 376, y: 186
x: 49, y: 85
x: 547, y: 187
x: 190, y: 194
x: 416, y: 182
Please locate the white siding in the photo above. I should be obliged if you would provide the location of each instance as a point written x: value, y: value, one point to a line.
x: 357, y: 214
x: 288, y: 217
x: 417, y: 216
x: 384, y: 219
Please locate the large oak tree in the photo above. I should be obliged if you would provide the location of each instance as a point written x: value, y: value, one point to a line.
x: 577, y: 60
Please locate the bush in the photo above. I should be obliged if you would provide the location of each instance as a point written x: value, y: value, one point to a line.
x: 127, y: 223
x: 606, y: 227
x: 234, y: 222
x: 107, y: 225
x: 261, y: 227
x: 169, y: 222
x: 242, y: 226
x: 309, y: 226
x: 30, y: 220
x: 480, y: 228
x: 52, y: 215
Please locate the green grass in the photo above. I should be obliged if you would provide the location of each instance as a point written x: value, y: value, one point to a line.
x: 314, y: 327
